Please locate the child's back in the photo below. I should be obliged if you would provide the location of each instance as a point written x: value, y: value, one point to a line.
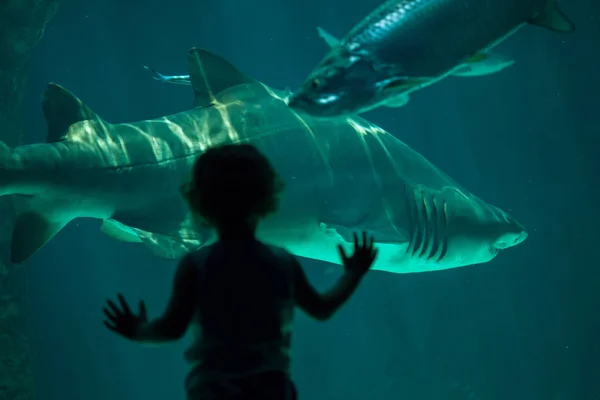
x: 244, y: 309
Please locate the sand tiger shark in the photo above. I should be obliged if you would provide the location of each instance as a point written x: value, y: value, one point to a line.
x: 342, y: 175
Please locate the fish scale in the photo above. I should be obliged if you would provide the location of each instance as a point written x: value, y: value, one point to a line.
x: 428, y: 38
x: 381, y: 21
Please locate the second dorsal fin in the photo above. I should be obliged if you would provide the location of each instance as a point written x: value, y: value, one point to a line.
x: 210, y: 74
x: 62, y: 109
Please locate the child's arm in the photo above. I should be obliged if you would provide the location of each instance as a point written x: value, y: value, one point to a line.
x: 323, y: 306
x: 175, y: 320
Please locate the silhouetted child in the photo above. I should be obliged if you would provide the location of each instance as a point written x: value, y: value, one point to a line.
x: 239, y: 293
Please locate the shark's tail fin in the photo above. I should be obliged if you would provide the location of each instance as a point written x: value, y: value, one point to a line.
x: 30, y: 229
x: 6, y: 161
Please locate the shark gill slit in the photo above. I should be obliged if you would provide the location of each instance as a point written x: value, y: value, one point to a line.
x: 414, y: 223
x: 428, y: 226
x: 444, y: 224
x: 433, y: 233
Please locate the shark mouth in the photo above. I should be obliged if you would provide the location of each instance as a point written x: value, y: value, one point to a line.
x: 428, y: 221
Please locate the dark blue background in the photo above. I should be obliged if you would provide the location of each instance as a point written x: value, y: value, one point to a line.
x: 524, y: 326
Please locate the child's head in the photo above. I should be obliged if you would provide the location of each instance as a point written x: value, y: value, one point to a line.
x: 233, y: 184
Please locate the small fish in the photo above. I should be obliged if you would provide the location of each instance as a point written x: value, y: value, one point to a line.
x: 174, y: 79
x: 185, y: 79
x: 406, y: 45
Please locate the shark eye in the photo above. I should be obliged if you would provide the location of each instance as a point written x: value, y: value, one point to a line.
x: 316, y: 83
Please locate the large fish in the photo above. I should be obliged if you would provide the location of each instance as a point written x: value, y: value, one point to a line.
x: 406, y: 45
x: 342, y: 175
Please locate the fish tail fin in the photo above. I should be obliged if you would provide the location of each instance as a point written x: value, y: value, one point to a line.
x: 553, y: 18
x: 155, y: 74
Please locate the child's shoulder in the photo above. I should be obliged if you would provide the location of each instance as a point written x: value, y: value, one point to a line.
x: 282, y: 254
x: 278, y: 250
x: 199, y: 255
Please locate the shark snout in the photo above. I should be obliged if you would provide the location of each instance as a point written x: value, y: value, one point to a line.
x: 514, y: 235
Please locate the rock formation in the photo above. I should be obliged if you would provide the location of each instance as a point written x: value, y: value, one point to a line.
x: 22, y: 24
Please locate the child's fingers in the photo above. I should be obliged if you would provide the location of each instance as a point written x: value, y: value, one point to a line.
x: 142, y: 309
x: 374, y: 255
x: 113, y: 307
x: 109, y: 315
x: 124, y: 304
x: 342, y: 253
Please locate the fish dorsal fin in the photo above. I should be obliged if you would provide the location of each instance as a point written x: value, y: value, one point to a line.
x: 331, y: 40
x: 211, y: 74
x: 62, y: 109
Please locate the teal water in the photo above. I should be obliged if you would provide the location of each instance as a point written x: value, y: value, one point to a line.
x: 524, y: 326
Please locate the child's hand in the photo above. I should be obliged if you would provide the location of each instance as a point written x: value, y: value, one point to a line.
x: 124, y: 322
x: 362, y: 258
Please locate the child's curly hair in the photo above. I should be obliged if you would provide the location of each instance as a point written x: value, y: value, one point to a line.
x: 231, y: 183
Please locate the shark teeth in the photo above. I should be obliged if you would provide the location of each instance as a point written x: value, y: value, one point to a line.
x: 428, y: 226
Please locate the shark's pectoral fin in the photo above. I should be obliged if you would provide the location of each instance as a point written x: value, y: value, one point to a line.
x: 210, y: 74
x: 331, y: 40
x: 162, y: 216
x: 162, y: 245
x: 168, y: 246
x: 398, y: 101
x: 165, y: 240
x: 30, y: 233
x: 119, y: 231
x: 63, y: 109
x: 553, y: 18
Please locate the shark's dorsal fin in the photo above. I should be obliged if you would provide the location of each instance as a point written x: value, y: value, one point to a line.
x: 211, y: 74
x: 62, y: 109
